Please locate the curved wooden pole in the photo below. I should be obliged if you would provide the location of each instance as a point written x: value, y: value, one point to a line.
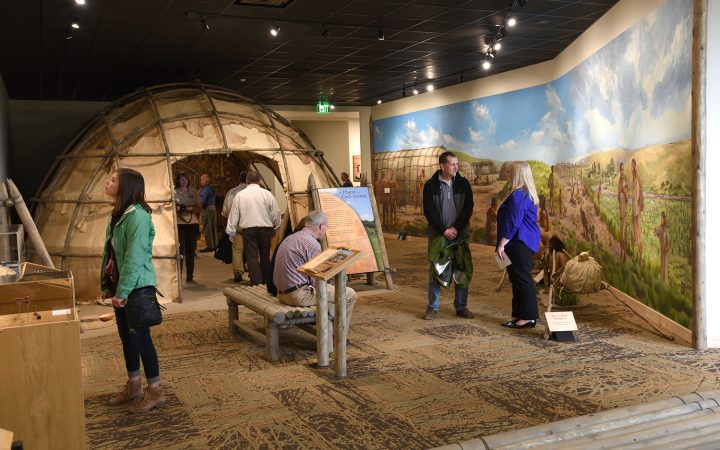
x: 27, y: 221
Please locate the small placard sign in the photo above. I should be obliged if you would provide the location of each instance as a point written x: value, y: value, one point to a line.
x: 561, y: 321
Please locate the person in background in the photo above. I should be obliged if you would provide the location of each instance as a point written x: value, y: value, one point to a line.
x: 543, y: 218
x: 622, y: 196
x: 238, y: 260
x: 491, y: 222
x: 638, y: 204
x: 256, y: 213
x: 209, y: 214
x: 128, y: 271
x: 519, y: 240
x: 345, y: 180
x: 295, y: 288
x: 447, y: 205
x: 187, y: 209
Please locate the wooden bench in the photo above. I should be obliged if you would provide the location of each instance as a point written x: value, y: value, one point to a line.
x: 275, y: 314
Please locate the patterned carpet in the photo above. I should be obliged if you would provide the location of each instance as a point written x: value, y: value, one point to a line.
x: 416, y: 384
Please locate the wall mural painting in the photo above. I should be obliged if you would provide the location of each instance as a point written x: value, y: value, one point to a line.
x: 609, y: 145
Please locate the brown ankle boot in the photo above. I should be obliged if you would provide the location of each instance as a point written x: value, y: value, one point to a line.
x: 132, y: 390
x: 154, y: 398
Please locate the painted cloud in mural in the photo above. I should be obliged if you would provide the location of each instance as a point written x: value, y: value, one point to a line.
x: 633, y: 92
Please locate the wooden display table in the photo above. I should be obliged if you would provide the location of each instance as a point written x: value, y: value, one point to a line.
x: 41, y: 388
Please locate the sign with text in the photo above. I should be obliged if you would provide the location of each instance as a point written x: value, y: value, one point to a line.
x: 351, y: 224
x: 560, y: 321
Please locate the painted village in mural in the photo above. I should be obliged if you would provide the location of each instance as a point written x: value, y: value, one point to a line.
x: 609, y: 146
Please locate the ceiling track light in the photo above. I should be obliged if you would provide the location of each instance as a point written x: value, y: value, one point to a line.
x: 75, y: 23
x: 415, y: 91
x: 68, y: 33
x: 204, y: 24
x: 274, y: 30
x: 79, y: 2
x: 379, y: 100
x: 381, y: 35
x: 496, y: 46
x: 325, y: 32
x: 486, y: 64
x: 430, y: 87
x: 511, y: 22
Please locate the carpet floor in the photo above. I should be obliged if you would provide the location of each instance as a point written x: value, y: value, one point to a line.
x: 415, y: 384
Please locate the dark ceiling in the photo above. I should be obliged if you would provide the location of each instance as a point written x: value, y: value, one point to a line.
x: 124, y: 44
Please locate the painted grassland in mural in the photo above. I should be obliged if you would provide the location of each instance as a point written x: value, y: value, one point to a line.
x: 609, y: 146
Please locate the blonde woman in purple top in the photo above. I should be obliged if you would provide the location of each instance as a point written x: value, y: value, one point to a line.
x: 518, y: 238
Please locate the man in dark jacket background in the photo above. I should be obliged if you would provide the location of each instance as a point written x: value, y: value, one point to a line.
x: 448, y: 205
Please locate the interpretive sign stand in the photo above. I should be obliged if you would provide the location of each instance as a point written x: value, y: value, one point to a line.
x: 353, y: 222
x: 333, y: 262
x: 561, y: 325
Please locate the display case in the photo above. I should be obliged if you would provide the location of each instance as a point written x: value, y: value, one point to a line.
x: 12, y: 248
x: 41, y: 387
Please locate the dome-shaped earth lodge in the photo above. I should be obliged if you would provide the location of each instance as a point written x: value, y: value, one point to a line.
x: 149, y: 131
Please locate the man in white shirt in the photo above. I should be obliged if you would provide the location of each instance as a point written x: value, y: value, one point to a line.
x: 238, y: 261
x: 256, y: 213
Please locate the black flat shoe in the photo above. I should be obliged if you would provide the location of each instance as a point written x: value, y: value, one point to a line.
x: 510, y: 323
x: 528, y: 324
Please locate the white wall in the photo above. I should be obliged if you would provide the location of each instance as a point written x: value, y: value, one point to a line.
x: 330, y: 137
x: 712, y: 183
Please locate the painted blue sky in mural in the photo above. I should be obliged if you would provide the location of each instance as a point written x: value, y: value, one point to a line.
x: 633, y: 92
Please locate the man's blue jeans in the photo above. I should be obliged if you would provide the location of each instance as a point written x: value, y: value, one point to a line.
x: 434, y: 290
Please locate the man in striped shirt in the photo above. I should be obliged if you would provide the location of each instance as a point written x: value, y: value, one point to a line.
x: 295, y: 288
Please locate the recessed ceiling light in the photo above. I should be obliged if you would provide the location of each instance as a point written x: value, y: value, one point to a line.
x: 430, y: 87
x: 75, y: 23
x: 511, y: 22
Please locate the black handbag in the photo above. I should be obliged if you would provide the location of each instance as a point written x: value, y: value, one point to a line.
x: 142, y: 308
x: 223, y: 252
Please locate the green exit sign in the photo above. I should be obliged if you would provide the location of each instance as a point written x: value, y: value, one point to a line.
x: 322, y: 106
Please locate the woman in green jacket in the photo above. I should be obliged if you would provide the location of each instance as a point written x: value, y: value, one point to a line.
x: 128, y: 272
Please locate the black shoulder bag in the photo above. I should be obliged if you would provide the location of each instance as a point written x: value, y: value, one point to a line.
x: 142, y: 308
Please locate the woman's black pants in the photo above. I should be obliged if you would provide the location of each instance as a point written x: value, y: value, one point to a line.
x: 524, y: 294
x: 187, y: 238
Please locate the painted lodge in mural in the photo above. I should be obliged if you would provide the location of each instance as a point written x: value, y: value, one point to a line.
x: 610, y: 154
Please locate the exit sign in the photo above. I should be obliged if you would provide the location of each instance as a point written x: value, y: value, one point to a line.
x: 322, y: 106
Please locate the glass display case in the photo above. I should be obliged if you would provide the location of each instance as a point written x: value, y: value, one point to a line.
x: 12, y: 249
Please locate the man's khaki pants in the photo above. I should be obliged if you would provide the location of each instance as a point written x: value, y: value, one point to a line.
x: 305, y: 296
x: 237, y: 254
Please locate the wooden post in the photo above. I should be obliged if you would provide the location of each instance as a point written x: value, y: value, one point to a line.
x: 321, y: 324
x: 340, y: 325
x: 233, y: 315
x: 381, y: 239
x: 29, y: 224
x: 272, y: 348
x: 699, y: 197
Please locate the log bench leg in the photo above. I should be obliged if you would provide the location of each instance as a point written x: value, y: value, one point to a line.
x: 233, y: 315
x: 272, y: 347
